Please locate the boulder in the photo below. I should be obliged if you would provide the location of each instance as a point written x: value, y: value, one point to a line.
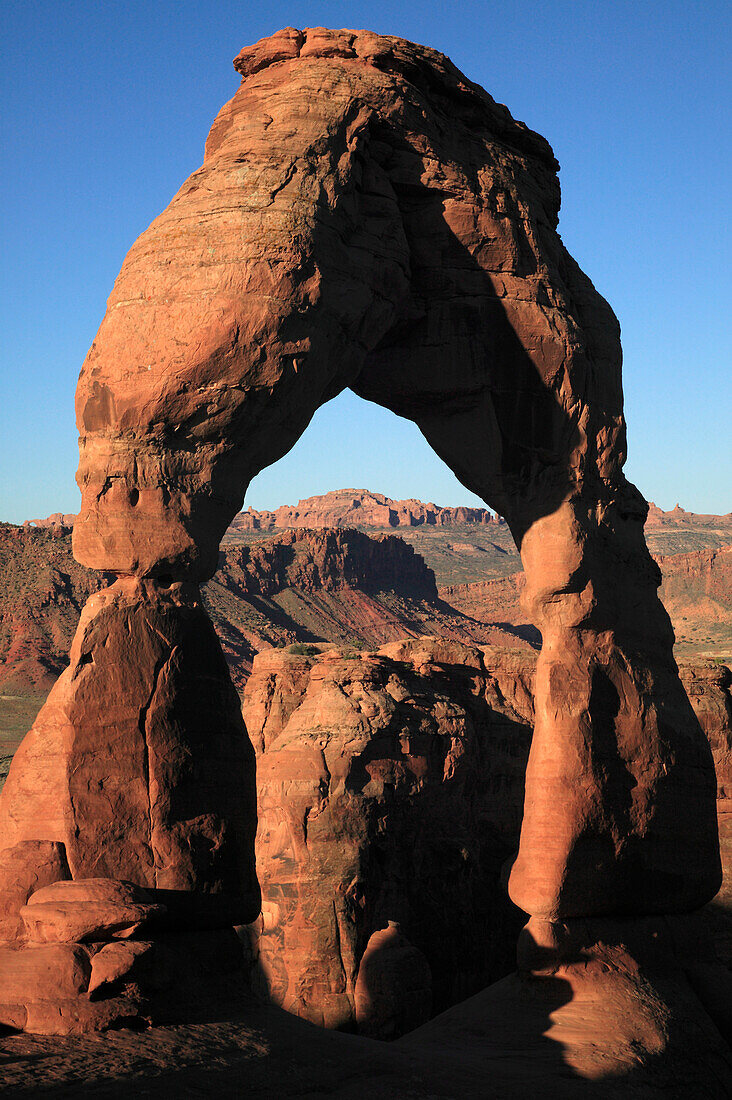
x: 393, y: 992
x: 54, y: 972
x: 88, y: 910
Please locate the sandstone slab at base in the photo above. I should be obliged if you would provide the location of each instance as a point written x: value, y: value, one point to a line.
x: 64, y: 989
x: 88, y: 910
x: 585, y: 1031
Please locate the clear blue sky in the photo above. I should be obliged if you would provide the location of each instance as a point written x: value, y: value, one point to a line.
x: 106, y: 106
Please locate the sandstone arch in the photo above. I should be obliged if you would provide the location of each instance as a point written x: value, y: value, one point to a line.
x: 367, y: 217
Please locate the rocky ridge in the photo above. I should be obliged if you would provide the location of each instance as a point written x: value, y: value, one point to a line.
x: 301, y: 586
x: 360, y: 508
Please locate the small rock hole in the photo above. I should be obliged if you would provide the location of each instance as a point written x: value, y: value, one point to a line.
x: 134, y: 496
x: 86, y: 659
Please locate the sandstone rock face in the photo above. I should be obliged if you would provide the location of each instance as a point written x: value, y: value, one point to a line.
x: 434, y: 243
x: 328, y: 560
x: 367, y: 217
x: 302, y: 586
x: 337, y: 586
x: 139, y: 764
x: 390, y: 788
x: 605, y: 1006
x: 25, y: 868
x: 71, y: 988
x: 358, y: 508
x: 710, y: 691
x: 334, y: 861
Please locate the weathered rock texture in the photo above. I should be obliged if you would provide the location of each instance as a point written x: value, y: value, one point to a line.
x: 333, y: 586
x: 139, y: 763
x: 42, y: 592
x: 326, y: 585
x: 137, y: 773
x: 442, y: 732
x: 393, y: 993
x: 390, y: 788
x: 366, y: 216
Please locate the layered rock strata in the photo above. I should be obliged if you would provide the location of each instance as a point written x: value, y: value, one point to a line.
x: 358, y: 508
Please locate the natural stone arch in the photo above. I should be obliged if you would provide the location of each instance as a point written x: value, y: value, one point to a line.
x: 367, y: 217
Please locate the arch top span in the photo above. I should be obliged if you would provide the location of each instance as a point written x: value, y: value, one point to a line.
x: 367, y: 217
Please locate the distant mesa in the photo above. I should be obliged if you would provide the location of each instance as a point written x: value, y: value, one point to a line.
x: 678, y: 516
x: 359, y: 508
x: 362, y: 508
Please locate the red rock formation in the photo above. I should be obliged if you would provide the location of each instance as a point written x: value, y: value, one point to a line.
x: 314, y: 720
x: 137, y: 745
x: 339, y: 586
x: 137, y: 769
x: 709, y: 686
x: 390, y: 788
x: 679, y: 517
x: 696, y: 589
x: 359, y: 508
x: 434, y: 248
x: 332, y: 585
x: 367, y: 217
x: 57, y: 521
x: 42, y: 591
x: 393, y: 992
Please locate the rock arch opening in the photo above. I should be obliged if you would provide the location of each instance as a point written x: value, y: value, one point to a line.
x: 368, y: 218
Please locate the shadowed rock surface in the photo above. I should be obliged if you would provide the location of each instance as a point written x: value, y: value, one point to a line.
x: 390, y: 788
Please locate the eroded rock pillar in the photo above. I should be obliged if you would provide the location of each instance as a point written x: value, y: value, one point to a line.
x: 619, y: 813
x: 134, y: 791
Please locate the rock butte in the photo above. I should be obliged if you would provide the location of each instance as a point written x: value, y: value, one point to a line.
x: 365, y: 216
x: 354, y: 508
